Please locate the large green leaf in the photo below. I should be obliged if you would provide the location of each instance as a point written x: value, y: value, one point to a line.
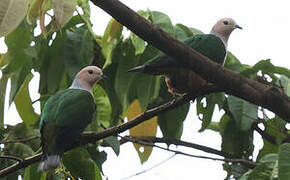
x: 138, y: 43
x: 266, y: 67
x: 244, y: 112
x: 80, y: 165
x: 32, y: 174
x: 98, y: 156
x: 171, y: 122
x: 63, y: 11
x: 235, y: 141
x: 206, y: 108
x: 23, y: 104
x: 182, y: 31
x: 3, y: 84
x: 52, y: 67
x: 110, y: 39
x: 20, y: 55
x: 78, y: 50
x: 11, y: 14
x: 163, y: 21
x: 127, y: 59
x: 147, y: 86
x: 284, y: 162
x: 274, y: 127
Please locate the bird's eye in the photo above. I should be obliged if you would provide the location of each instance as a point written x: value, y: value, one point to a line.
x: 90, y: 71
x: 226, y: 22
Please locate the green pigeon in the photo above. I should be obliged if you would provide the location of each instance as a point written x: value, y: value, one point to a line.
x: 65, y: 116
x: 180, y: 80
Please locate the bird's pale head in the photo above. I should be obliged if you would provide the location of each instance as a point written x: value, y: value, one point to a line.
x: 224, y: 27
x: 87, y: 77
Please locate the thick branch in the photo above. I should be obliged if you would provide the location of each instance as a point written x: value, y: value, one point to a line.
x: 257, y: 93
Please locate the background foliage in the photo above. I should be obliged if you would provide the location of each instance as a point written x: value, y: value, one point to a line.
x: 67, y: 43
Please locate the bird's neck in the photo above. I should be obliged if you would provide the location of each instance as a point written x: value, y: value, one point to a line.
x: 77, y: 84
x: 223, y: 37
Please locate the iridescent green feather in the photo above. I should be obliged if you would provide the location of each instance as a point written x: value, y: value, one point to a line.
x: 64, y: 117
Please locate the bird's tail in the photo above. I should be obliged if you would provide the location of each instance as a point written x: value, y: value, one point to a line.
x: 137, y: 69
x: 49, y: 162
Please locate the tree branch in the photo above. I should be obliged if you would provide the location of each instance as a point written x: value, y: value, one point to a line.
x: 257, y: 93
x: 94, y: 137
x: 11, y: 157
x: 18, y: 140
x: 245, y: 162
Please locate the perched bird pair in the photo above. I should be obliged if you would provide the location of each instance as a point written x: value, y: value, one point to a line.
x: 180, y: 80
x: 68, y: 112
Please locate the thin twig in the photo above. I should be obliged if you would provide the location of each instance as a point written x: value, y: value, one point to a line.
x: 11, y: 158
x: 23, y: 140
x: 153, y: 139
x: 146, y: 170
x: 249, y: 164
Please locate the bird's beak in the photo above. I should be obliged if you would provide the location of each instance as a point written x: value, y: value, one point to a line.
x: 103, y: 76
x: 237, y: 26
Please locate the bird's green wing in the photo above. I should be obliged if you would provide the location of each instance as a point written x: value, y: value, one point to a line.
x: 207, y: 44
x: 64, y: 117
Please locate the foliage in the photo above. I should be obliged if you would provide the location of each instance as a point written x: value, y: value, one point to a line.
x: 67, y: 44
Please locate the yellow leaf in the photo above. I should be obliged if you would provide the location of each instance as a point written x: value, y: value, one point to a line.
x: 147, y: 128
x: 11, y: 14
x: 63, y: 11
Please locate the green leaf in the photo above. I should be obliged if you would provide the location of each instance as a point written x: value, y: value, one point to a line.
x: 104, y: 109
x: 244, y: 112
x: 171, y: 122
x: 233, y: 63
x: 11, y: 14
x: 52, y: 67
x: 20, y: 150
x: 63, y: 11
x: 235, y: 141
x: 266, y: 67
x: 187, y: 32
x: 123, y: 81
x: 147, y: 86
x: 32, y: 174
x: 274, y: 127
x: 98, y: 156
x: 285, y: 82
x: 110, y: 39
x: 84, y: 4
x: 114, y: 143
x: 138, y: 43
x: 19, y: 57
x: 284, y: 161
x: 163, y: 21
x: 79, y: 157
x: 23, y: 104
x: 78, y: 50
x: 3, y: 84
